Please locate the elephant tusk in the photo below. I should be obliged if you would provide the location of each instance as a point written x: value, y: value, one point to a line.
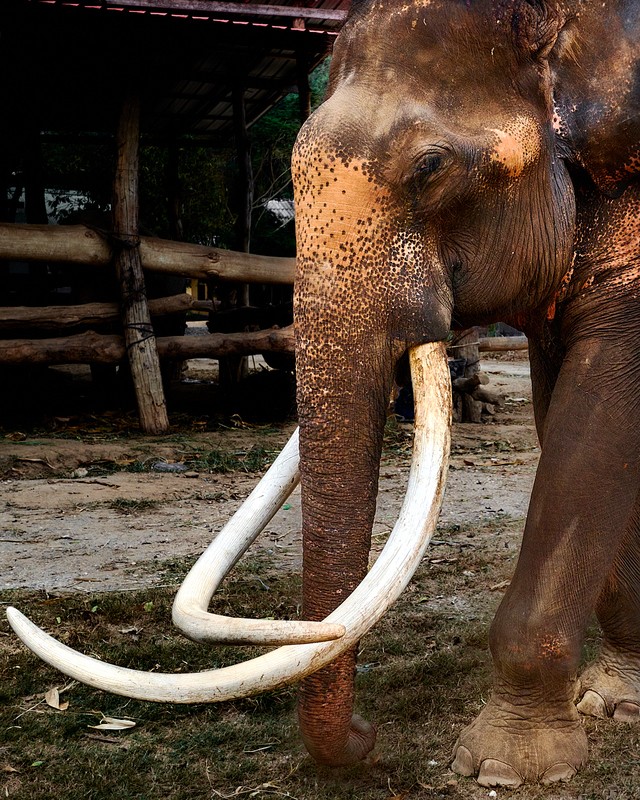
x: 358, y: 613
x: 192, y: 600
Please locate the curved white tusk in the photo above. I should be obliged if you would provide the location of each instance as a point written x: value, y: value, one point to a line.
x: 359, y: 612
x: 192, y: 600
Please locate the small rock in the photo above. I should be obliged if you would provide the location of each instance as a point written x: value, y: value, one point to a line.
x: 81, y: 472
x: 191, y: 474
x: 164, y: 466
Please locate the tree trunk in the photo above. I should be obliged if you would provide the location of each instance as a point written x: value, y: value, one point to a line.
x: 138, y: 331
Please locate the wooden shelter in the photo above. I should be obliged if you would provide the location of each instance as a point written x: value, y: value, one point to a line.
x: 178, y: 73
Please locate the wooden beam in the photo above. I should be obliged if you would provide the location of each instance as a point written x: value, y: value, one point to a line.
x: 304, y: 89
x: 94, y: 348
x: 213, y: 7
x: 501, y: 344
x: 54, y: 317
x: 136, y: 320
x: 245, y: 171
x: 76, y: 244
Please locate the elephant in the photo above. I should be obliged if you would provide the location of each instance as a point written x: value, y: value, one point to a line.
x: 474, y: 161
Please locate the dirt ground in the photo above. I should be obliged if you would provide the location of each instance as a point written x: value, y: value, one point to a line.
x: 75, y: 518
x: 88, y: 506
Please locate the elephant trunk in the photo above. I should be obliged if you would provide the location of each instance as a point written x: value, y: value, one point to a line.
x: 366, y: 287
x: 340, y: 445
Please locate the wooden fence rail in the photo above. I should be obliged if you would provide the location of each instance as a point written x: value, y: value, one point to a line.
x: 95, y: 348
x: 59, y: 317
x: 77, y: 244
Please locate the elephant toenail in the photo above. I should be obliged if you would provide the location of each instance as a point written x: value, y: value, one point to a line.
x: 627, y: 711
x: 497, y: 773
x: 593, y: 705
x: 558, y: 772
x: 463, y: 762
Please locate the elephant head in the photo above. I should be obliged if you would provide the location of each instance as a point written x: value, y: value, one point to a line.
x: 429, y: 193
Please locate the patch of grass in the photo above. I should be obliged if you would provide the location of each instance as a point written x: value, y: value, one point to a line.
x: 255, y: 459
x: 398, y: 438
x: 425, y: 672
x: 127, y: 505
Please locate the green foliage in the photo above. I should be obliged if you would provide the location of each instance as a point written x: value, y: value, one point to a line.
x: 208, y: 181
x: 272, y: 139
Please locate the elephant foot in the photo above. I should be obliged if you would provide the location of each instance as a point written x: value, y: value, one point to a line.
x: 502, y: 747
x: 611, y: 688
x: 360, y: 741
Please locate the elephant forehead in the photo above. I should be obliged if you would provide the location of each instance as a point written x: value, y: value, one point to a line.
x: 336, y: 195
x: 517, y: 144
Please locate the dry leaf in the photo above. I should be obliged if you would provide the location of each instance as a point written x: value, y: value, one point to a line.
x: 52, y: 698
x: 112, y: 724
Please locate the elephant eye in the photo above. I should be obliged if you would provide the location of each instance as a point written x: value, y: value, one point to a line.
x: 430, y: 164
x: 426, y: 179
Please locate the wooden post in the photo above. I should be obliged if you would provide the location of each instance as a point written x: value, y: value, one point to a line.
x: 138, y: 331
x: 245, y: 170
x: 35, y: 206
x: 304, y: 90
x: 174, y: 193
x: 5, y: 173
x: 233, y: 369
x: 465, y: 345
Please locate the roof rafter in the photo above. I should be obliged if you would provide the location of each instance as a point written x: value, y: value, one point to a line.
x: 212, y: 7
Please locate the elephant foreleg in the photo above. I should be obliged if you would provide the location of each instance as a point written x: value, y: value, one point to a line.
x: 610, y: 687
x: 582, y: 501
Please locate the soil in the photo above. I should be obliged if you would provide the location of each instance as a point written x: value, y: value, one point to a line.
x: 75, y: 518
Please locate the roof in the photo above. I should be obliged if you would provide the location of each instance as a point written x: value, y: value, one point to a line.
x: 69, y: 62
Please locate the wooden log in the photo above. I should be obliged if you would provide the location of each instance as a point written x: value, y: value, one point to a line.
x: 470, y: 384
x: 53, y: 317
x: 488, y: 396
x: 77, y: 244
x: 138, y: 331
x: 94, y: 348
x: 219, y: 345
x: 501, y: 344
x: 465, y: 345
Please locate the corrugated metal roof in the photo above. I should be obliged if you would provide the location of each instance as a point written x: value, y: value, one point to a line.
x: 70, y: 61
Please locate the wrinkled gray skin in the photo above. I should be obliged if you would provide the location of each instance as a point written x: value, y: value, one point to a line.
x: 477, y: 160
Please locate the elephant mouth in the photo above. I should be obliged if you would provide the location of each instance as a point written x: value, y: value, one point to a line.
x: 303, y: 647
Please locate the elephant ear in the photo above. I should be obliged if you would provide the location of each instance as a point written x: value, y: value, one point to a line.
x: 356, y: 7
x: 536, y: 25
x: 596, y: 76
